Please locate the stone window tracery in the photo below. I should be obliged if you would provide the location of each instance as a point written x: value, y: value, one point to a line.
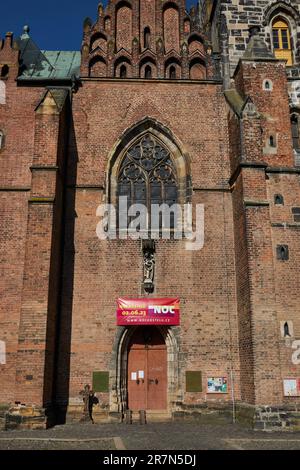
x: 147, y: 174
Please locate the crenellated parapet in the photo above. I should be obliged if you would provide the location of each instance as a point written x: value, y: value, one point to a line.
x: 146, y: 39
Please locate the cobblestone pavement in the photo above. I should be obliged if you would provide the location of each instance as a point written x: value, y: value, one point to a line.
x: 152, y: 436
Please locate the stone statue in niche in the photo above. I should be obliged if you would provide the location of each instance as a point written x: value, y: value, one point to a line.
x: 184, y: 48
x: 149, y: 264
x: 159, y: 46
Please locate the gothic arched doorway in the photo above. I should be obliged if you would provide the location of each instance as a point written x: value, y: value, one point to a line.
x: 147, y: 370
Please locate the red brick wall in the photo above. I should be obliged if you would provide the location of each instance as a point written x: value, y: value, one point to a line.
x: 105, y: 270
x: 124, y: 28
x: 17, y: 122
x: 286, y: 272
x: 234, y: 292
x: 273, y: 106
x: 13, y: 213
x: 147, y: 19
x: 243, y: 295
x: 266, y: 286
x: 171, y: 29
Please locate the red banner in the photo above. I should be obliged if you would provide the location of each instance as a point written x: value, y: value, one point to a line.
x: 148, y: 311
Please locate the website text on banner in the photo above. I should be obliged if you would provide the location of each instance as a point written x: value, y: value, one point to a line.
x: 163, y: 311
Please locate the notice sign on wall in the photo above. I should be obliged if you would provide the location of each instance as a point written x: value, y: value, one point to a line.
x: 164, y: 311
x: 217, y: 385
x: 291, y: 387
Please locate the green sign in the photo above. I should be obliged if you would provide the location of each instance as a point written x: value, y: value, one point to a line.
x: 193, y: 381
x: 101, y: 381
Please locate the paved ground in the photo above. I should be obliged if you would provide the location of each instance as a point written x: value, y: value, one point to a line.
x: 152, y: 436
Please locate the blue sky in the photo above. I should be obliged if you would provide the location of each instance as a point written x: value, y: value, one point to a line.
x: 55, y: 24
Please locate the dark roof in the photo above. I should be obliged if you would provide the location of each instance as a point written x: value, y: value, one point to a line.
x: 257, y: 48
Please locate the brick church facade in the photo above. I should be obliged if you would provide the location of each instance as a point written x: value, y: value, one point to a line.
x: 169, y: 105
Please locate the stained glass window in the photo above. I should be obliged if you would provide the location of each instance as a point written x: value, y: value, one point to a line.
x: 147, y: 175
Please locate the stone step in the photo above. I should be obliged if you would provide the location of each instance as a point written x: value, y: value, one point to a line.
x: 153, y: 416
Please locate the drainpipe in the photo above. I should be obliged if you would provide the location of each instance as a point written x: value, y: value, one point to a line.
x: 232, y: 395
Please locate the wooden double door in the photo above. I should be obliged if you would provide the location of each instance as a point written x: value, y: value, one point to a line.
x: 147, y: 370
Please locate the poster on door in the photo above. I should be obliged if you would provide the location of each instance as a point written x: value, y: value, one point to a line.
x: 291, y: 387
x: 164, y: 311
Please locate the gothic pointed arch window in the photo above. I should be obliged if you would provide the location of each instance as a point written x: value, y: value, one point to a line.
x: 148, y: 72
x: 172, y: 72
x: 281, y: 37
x: 147, y: 175
x: 123, y: 71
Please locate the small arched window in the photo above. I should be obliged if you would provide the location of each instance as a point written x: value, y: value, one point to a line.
x: 172, y: 72
x: 278, y: 200
x: 123, y: 71
x: 282, y: 40
x: 267, y: 85
x: 147, y: 38
x: 148, y: 72
x: 272, y: 141
x: 286, y: 329
x: 282, y: 252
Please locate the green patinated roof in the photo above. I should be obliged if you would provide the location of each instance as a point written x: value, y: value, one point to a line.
x: 37, y: 64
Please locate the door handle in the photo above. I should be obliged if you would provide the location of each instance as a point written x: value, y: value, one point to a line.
x: 153, y: 381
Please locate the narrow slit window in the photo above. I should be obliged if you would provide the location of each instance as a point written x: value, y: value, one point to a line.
x: 123, y: 71
x: 172, y: 73
x: 278, y: 199
x: 272, y: 141
x: 147, y: 38
x: 282, y: 252
x: 296, y: 214
x: 148, y: 72
x: 286, y: 330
